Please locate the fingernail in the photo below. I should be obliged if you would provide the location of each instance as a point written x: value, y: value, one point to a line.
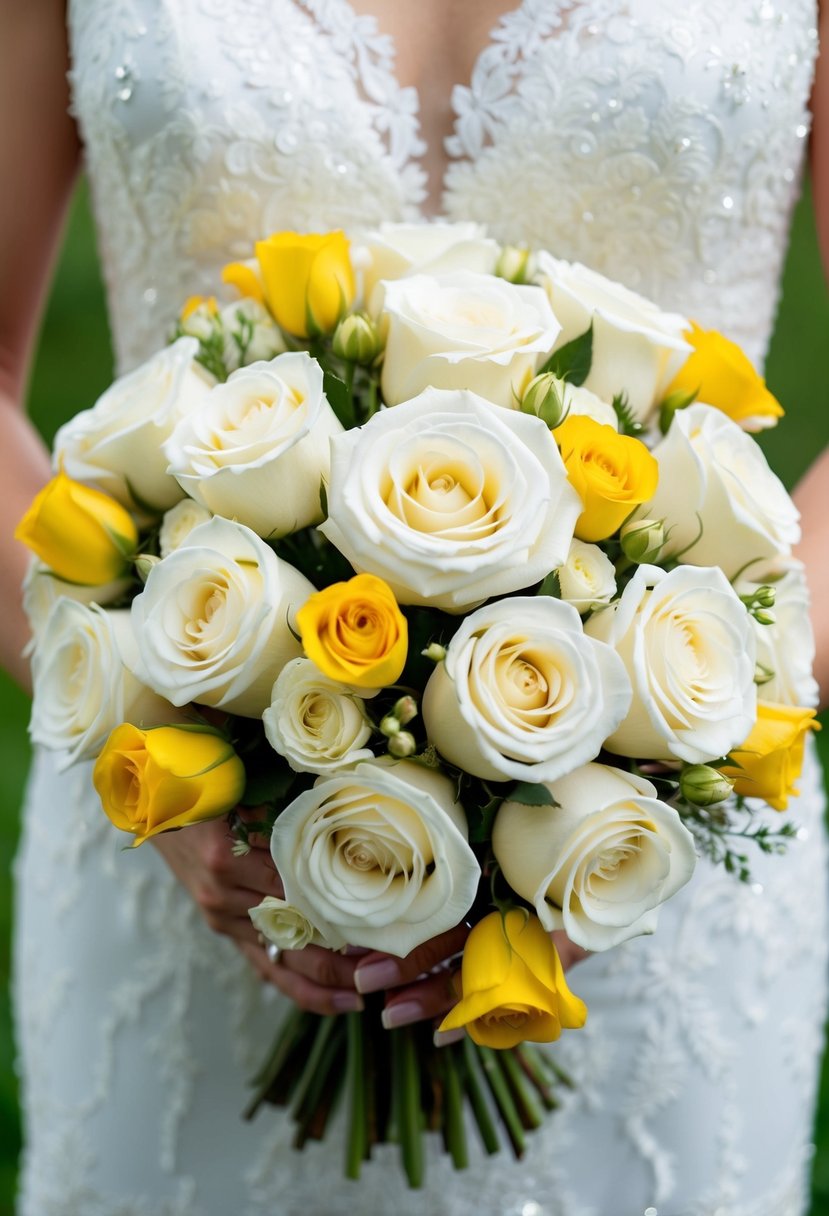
x: 401, y: 1014
x: 355, y: 951
x: 442, y: 1038
x: 374, y: 976
x: 347, y: 1002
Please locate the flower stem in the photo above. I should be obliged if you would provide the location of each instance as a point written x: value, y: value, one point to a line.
x: 407, y: 1103
x: 528, y: 1109
x: 477, y: 1101
x: 503, y: 1098
x: 356, y: 1139
x: 454, y: 1132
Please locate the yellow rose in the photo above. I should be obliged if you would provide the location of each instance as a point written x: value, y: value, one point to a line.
x: 514, y: 990
x: 720, y: 374
x: 151, y: 781
x: 771, y: 758
x: 81, y: 534
x: 308, y: 281
x: 355, y: 632
x: 611, y: 473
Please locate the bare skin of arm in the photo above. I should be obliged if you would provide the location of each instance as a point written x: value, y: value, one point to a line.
x: 812, y: 495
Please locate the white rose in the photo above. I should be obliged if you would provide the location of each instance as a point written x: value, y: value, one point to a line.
x: 717, y: 495
x: 257, y: 450
x: 251, y: 334
x: 687, y: 642
x: 580, y: 402
x: 588, y: 576
x: 179, y: 522
x: 600, y: 863
x: 785, y: 648
x: 315, y: 723
x: 377, y: 856
x: 523, y: 693
x: 450, y: 500
x: 42, y: 590
x: 117, y: 444
x: 284, y: 925
x: 637, y: 348
x: 393, y: 251
x: 464, y: 330
x: 83, y: 683
x: 215, y: 619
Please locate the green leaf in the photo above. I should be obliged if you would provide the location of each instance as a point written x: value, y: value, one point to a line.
x: 572, y: 362
x: 480, y: 830
x: 551, y: 585
x: 339, y: 398
x: 529, y: 794
x: 628, y: 423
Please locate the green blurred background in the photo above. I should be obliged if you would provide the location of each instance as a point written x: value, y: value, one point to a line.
x: 74, y: 366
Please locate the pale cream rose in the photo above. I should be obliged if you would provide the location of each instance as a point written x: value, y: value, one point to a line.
x: 42, y: 590
x: 719, y: 500
x: 118, y: 444
x: 377, y: 856
x: 637, y: 348
x: 258, y: 449
x: 523, y: 693
x: 786, y: 647
x: 179, y: 522
x: 394, y: 251
x: 451, y: 500
x: 216, y: 621
x: 314, y: 722
x: 688, y: 645
x: 464, y: 331
x: 599, y: 864
x: 284, y: 925
x: 82, y: 672
x: 588, y: 576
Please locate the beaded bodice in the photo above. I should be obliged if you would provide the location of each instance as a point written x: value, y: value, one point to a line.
x: 659, y: 141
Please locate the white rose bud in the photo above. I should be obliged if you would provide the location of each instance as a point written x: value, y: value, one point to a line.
x: 544, y: 397
x: 403, y: 744
x: 588, y: 578
x: 642, y: 540
x: 515, y: 264
x: 786, y: 648
x: 179, y: 522
x: 394, y: 251
x: 601, y: 862
x: 251, y: 334
x: 258, y: 449
x: 284, y: 925
x: 356, y: 339
x: 704, y: 785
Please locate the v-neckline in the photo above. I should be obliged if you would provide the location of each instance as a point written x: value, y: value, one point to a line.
x: 366, y: 25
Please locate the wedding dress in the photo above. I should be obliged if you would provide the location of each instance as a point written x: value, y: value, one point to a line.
x: 659, y: 141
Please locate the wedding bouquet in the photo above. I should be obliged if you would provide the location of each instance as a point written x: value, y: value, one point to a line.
x: 458, y: 562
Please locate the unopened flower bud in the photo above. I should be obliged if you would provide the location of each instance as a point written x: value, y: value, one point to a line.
x: 390, y: 725
x: 199, y: 317
x: 405, y: 709
x: 764, y: 617
x: 544, y: 397
x: 402, y: 745
x: 642, y: 540
x: 144, y: 564
x: 703, y: 785
x: 764, y: 597
x: 435, y: 652
x: 356, y: 339
x: 513, y: 264
x: 678, y: 400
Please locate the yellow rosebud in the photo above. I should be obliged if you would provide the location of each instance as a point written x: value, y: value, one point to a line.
x: 611, y: 473
x: 514, y: 990
x: 355, y: 632
x: 308, y: 280
x: 82, y: 534
x: 151, y: 781
x: 771, y: 758
x: 721, y: 375
x: 244, y: 276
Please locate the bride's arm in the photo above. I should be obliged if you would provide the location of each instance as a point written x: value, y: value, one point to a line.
x: 39, y: 158
x: 812, y: 495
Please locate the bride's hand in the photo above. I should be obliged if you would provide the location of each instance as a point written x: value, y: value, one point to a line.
x: 424, y: 985
x: 225, y: 886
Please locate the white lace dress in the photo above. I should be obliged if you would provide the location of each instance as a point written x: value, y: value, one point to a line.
x: 657, y: 140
